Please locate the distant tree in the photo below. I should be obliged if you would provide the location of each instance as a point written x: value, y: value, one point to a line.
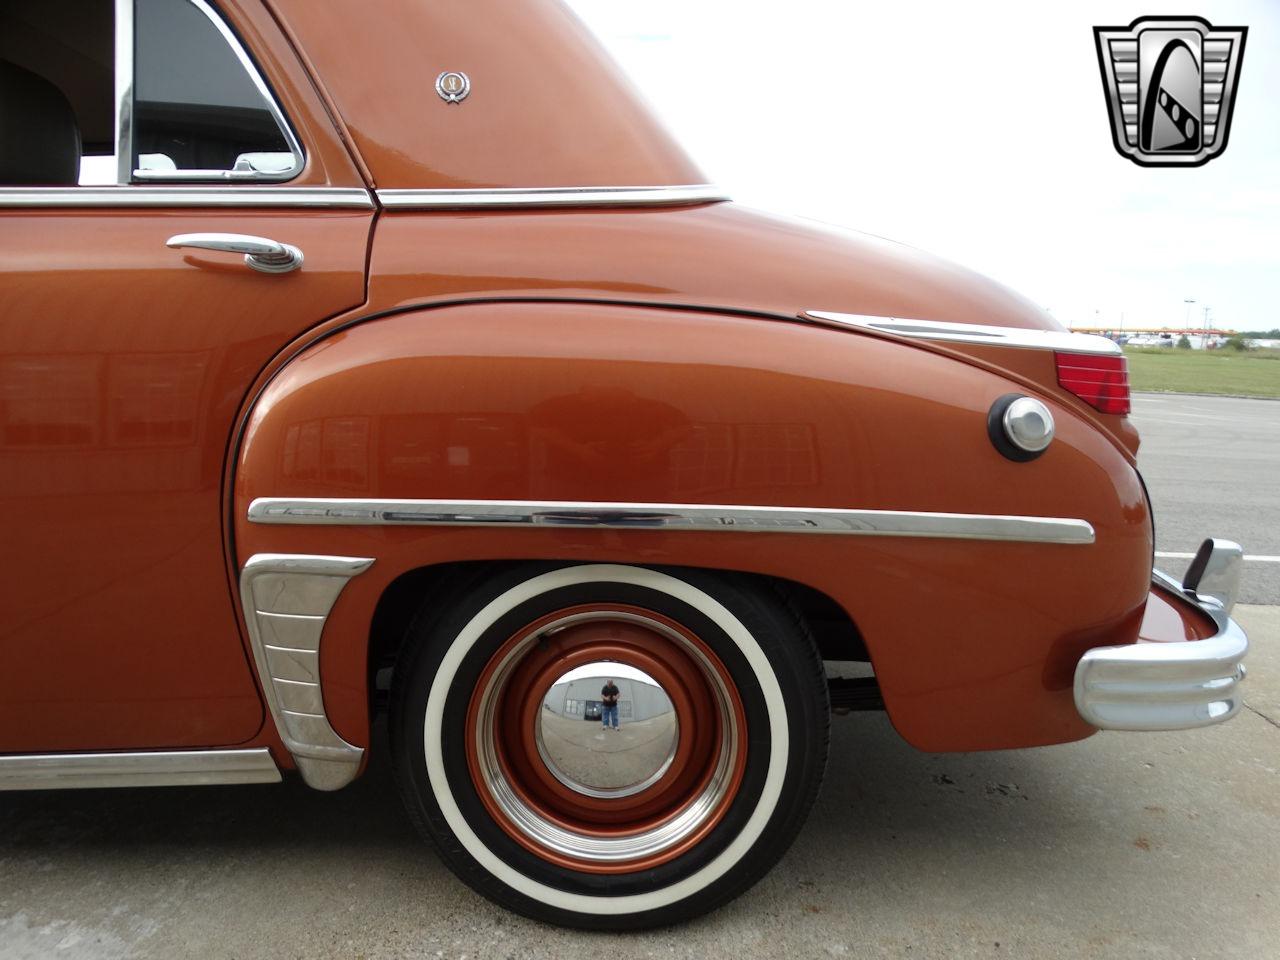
x: 1184, y: 343
x: 1272, y: 334
x: 1237, y: 343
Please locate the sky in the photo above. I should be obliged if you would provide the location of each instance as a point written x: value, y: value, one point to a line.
x: 977, y: 131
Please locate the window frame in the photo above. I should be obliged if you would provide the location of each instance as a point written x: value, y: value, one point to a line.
x: 126, y: 174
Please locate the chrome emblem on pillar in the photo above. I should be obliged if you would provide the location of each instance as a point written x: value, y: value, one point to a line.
x: 453, y: 86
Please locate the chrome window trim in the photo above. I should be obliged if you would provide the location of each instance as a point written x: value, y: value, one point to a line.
x: 151, y: 768
x: 124, y: 90
x: 286, y: 621
x: 273, y: 107
x: 149, y: 196
x: 668, y: 517
x: 974, y: 333
x: 550, y: 197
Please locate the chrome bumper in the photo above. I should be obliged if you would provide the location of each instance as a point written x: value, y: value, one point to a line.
x: 1178, y: 685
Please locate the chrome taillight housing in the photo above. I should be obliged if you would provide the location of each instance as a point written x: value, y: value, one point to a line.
x: 1100, y: 381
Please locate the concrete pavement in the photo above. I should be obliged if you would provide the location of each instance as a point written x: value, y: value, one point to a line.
x: 1122, y: 846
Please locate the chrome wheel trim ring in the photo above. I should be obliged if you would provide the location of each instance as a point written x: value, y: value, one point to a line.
x: 583, y: 846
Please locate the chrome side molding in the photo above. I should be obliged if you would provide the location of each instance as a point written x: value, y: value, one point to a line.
x: 186, y: 196
x: 152, y: 768
x: 975, y: 333
x: 287, y: 599
x: 550, y: 197
x: 669, y: 517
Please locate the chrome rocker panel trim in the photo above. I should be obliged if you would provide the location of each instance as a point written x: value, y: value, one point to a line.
x: 667, y: 517
x: 168, y: 768
x: 186, y: 196
x: 287, y: 599
x: 973, y: 333
x: 1168, y: 686
x: 550, y: 197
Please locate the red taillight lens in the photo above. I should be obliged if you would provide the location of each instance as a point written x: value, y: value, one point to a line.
x: 1101, y: 382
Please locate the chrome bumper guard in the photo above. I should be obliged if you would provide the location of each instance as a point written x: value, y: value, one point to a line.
x: 1178, y: 685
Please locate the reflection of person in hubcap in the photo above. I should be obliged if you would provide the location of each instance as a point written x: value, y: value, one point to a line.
x: 609, y: 704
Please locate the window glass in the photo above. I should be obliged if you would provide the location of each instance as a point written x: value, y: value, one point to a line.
x: 197, y: 111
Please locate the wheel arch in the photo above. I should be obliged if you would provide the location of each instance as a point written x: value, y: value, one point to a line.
x: 609, y: 403
x: 833, y: 627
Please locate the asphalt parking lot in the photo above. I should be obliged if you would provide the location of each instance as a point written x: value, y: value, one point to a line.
x: 1211, y: 466
x: 1121, y: 846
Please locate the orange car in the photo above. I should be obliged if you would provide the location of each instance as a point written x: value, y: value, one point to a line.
x: 390, y: 358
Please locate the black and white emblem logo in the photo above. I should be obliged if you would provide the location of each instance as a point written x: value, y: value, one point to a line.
x: 1170, y: 84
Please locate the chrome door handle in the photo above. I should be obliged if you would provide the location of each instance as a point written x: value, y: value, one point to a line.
x: 262, y: 254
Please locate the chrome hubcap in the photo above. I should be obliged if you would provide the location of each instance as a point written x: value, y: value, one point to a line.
x: 602, y: 759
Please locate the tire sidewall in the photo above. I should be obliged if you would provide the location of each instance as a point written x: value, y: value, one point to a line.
x: 784, y: 757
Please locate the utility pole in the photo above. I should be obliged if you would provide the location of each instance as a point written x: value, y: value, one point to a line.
x: 1186, y: 322
x: 1204, y: 331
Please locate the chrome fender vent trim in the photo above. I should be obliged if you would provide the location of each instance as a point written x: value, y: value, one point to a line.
x: 287, y: 599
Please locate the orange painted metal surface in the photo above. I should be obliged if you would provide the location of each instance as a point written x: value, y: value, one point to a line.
x: 149, y: 395
x: 547, y: 108
x: 1169, y: 619
x: 974, y: 642
x: 122, y: 368
x: 718, y: 255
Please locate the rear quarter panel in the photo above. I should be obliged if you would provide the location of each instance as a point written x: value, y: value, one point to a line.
x: 974, y: 642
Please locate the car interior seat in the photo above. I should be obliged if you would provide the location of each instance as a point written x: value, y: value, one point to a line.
x: 39, y: 139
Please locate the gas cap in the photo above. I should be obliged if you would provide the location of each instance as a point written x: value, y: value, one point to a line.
x: 1020, y: 427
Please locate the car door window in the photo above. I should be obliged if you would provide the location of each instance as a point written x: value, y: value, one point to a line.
x: 200, y: 109
x: 96, y: 92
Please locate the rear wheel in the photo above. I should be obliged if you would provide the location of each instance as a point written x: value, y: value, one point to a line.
x: 719, y: 746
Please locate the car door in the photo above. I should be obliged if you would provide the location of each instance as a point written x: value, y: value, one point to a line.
x: 227, y: 218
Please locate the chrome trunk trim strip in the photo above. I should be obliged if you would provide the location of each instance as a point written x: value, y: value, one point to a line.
x: 974, y: 333
x: 549, y: 197
x: 669, y: 517
x: 186, y: 196
x: 167, y: 768
x: 286, y: 600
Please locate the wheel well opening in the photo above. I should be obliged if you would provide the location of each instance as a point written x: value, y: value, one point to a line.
x: 834, y: 630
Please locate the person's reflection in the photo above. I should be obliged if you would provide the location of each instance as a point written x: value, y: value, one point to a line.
x: 609, y: 704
